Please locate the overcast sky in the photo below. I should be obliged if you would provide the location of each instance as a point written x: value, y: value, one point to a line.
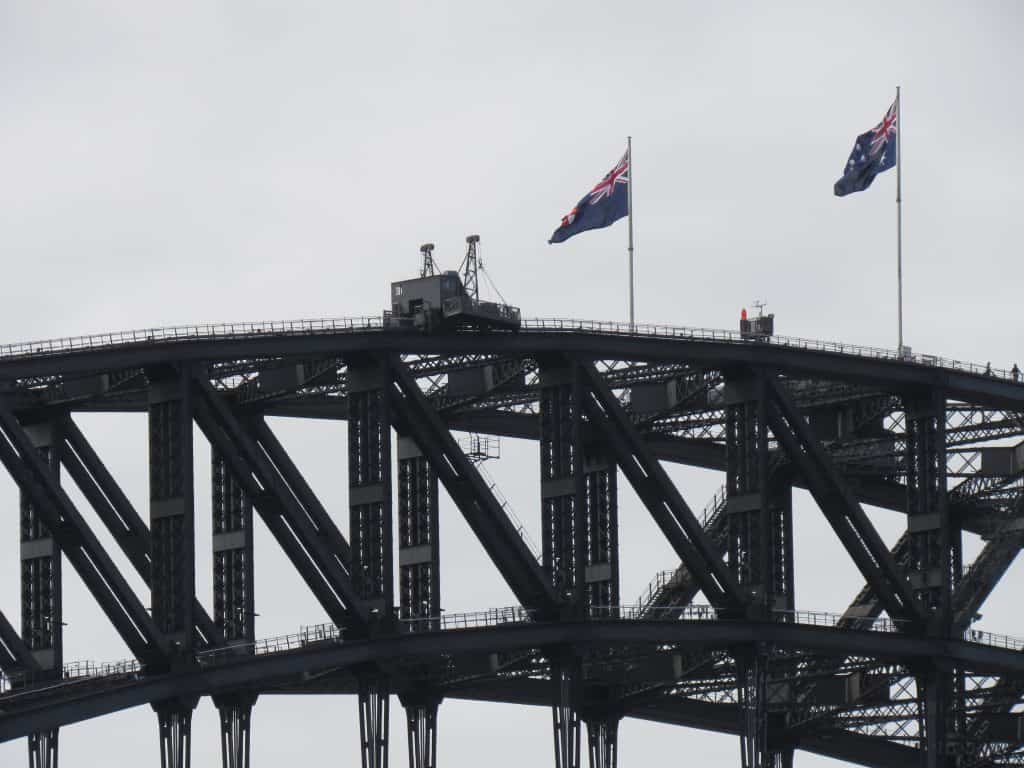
x: 247, y: 161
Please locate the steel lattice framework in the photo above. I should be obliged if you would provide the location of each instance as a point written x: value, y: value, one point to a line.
x: 897, y: 677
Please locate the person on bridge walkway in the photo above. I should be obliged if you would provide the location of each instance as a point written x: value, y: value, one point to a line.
x: 1015, y: 372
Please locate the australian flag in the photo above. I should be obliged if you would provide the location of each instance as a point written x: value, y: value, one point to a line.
x: 874, y: 152
x: 605, y: 204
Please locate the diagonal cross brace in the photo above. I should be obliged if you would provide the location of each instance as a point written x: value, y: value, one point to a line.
x: 974, y: 588
x: 483, y: 512
x: 303, y: 493
x: 984, y: 575
x: 843, y: 512
x: 652, y: 484
x: 14, y: 654
x: 269, y: 507
x: 306, y: 542
x: 119, y: 515
x: 79, y: 544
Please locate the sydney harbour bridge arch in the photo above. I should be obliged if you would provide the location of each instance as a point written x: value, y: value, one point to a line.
x: 894, y: 676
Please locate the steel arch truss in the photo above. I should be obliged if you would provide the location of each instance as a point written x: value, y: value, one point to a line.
x: 900, y: 675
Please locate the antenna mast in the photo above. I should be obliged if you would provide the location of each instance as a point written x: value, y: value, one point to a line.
x: 469, y: 268
x: 428, y: 268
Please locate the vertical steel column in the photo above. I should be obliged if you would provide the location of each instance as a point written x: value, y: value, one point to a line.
x: 934, y: 567
x: 235, y: 712
x: 419, y: 579
x: 421, y: 722
x: 171, y: 509
x: 935, y: 560
x: 563, y: 486
x: 759, y: 505
x: 374, y: 705
x: 233, y: 600
x: 563, y: 509
x: 369, y: 477
x: 233, y: 576
x: 579, y: 491
x: 42, y: 749
x: 752, y: 693
x: 602, y: 580
x: 370, y: 532
x: 175, y: 719
x: 602, y: 520
x: 566, y: 674
x: 601, y: 710
x: 603, y: 742
x: 41, y: 605
x: 418, y: 553
x: 760, y: 547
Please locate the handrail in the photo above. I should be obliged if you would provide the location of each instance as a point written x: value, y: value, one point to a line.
x: 519, y: 525
x: 543, y: 325
x: 14, y: 684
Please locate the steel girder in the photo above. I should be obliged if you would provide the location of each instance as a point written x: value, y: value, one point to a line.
x: 841, y: 509
x: 370, y: 527
x: 42, y: 613
x: 698, y: 451
x: 79, y: 544
x: 419, y: 565
x: 172, y: 506
x: 234, y: 602
x: 663, y: 501
x: 579, y: 504
x: 369, y: 480
x: 374, y: 712
x: 479, y: 507
x: 419, y: 555
x: 296, y: 527
x: 55, y: 708
x: 300, y: 488
x: 235, y: 711
x: 42, y: 616
x: 758, y: 504
x: 281, y: 512
x: 878, y: 490
x: 960, y: 385
x: 722, y: 718
x: 15, y: 656
x: 118, y: 514
x: 563, y: 489
x: 175, y: 720
x: 421, y: 727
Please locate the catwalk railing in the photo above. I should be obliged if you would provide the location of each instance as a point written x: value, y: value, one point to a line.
x: 15, y: 684
x: 385, y: 323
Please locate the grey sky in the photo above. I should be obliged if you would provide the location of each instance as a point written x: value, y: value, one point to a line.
x: 244, y: 161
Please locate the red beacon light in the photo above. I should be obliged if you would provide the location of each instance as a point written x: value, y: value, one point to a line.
x: 758, y: 328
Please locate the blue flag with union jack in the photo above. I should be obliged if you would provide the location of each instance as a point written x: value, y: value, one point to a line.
x: 605, y: 204
x: 873, y: 152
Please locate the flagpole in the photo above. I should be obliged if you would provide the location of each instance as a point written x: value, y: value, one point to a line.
x: 629, y: 203
x: 899, y: 215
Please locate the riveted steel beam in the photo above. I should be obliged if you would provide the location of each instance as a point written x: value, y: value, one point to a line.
x: 476, y: 501
x: 172, y: 506
x: 842, y: 510
x: 323, y: 569
x: 79, y: 544
x: 15, y: 655
x: 672, y: 514
x: 119, y: 515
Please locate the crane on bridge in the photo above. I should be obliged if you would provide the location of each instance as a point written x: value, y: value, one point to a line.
x: 447, y: 300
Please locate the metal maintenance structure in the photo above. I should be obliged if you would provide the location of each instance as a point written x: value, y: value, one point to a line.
x: 899, y: 677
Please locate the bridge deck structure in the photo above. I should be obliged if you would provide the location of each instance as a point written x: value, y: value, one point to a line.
x: 900, y: 675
